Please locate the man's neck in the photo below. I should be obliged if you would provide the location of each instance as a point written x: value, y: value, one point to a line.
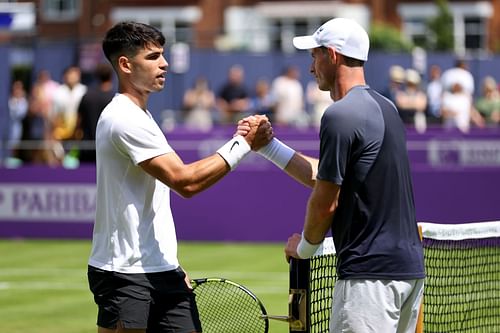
x: 347, y: 78
x: 138, y: 97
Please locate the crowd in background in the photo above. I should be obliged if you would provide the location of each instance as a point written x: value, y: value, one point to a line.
x: 282, y: 99
x: 54, y: 113
x: 447, y: 98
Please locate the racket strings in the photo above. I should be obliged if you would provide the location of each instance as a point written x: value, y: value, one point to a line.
x: 227, y: 308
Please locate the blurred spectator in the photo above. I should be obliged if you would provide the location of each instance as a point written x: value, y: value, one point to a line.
x: 317, y: 100
x: 289, y: 94
x: 67, y: 98
x: 488, y: 104
x: 47, y: 89
x: 458, y: 74
x: 18, y: 108
x: 458, y: 110
x: 396, y: 82
x: 412, y: 101
x: 38, y: 147
x: 434, y: 95
x: 90, y: 108
x: 198, y: 106
x: 263, y: 102
x: 233, y: 97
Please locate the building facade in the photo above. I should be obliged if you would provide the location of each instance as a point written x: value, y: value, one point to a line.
x: 253, y: 25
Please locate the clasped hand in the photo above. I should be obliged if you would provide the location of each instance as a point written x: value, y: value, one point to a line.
x: 256, y: 130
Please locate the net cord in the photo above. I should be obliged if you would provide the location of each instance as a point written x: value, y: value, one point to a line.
x: 477, y: 230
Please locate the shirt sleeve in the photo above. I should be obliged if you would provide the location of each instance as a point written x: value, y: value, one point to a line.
x: 140, y: 140
x: 336, y: 139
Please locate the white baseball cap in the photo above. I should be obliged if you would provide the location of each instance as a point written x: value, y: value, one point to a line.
x: 345, y: 35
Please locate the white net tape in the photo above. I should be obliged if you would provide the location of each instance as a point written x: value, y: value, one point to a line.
x: 325, y: 248
x: 461, y: 231
x: 438, y: 231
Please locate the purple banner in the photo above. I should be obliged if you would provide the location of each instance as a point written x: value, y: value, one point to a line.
x: 257, y: 201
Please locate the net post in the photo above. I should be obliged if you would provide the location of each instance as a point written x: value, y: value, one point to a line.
x: 420, y: 319
x: 298, y: 303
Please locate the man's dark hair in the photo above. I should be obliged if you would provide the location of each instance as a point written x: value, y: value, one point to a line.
x: 350, y: 62
x: 128, y: 38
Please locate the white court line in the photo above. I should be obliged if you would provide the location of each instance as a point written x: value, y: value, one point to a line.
x: 276, y: 282
x: 41, y: 286
x: 274, y: 276
x: 264, y: 290
x: 264, y: 276
x: 41, y: 271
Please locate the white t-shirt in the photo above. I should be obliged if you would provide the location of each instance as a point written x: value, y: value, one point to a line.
x: 289, y: 95
x: 134, y: 230
x: 65, y: 104
x: 460, y: 104
x: 458, y: 75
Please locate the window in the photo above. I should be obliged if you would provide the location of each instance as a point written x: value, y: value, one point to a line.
x: 183, y: 32
x: 60, y: 10
x: 470, y: 20
x: 175, y: 23
x: 416, y: 29
x: 279, y: 22
x: 475, y: 33
x: 283, y: 30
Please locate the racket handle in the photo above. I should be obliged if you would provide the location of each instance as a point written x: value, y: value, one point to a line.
x: 278, y: 318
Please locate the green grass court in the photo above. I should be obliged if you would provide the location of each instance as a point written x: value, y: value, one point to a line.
x: 43, y: 284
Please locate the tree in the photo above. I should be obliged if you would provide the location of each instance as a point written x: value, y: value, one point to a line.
x: 388, y: 38
x: 441, y: 28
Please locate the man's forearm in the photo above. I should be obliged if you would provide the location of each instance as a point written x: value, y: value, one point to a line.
x: 303, y: 169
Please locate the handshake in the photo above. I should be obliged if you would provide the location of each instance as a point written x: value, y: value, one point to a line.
x: 256, y: 130
x: 255, y: 133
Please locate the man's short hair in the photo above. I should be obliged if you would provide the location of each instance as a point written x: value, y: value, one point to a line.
x: 128, y: 38
x: 350, y: 62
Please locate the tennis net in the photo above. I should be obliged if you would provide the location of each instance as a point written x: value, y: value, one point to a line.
x: 462, y: 287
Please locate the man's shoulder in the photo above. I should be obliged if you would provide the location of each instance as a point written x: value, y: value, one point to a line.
x: 355, y: 101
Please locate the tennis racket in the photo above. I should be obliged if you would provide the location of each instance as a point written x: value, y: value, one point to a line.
x: 228, y: 307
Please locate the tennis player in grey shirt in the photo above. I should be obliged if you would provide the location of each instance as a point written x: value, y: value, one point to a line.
x: 362, y: 190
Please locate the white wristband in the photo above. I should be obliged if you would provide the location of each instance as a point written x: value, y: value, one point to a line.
x: 277, y: 152
x: 305, y: 249
x: 234, y: 151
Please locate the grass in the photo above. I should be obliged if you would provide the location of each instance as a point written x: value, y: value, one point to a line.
x: 43, y: 283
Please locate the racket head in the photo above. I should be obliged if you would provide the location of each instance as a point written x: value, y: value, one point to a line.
x: 228, y: 307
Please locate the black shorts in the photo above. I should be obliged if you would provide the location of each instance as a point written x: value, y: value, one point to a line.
x: 159, y: 302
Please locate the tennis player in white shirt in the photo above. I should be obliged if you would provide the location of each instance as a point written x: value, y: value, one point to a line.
x: 133, y: 270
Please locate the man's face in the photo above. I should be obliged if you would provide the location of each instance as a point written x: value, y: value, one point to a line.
x: 148, y: 69
x: 72, y: 77
x: 323, y: 68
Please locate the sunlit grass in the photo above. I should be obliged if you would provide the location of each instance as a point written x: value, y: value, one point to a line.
x: 43, y: 284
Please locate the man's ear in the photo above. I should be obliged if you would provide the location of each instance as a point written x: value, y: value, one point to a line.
x: 332, y: 54
x: 124, y: 64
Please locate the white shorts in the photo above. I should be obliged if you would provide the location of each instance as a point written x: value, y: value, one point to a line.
x: 365, y: 306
